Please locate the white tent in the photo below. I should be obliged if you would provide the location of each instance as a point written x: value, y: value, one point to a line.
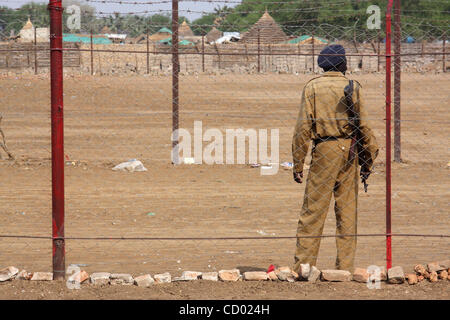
x: 228, y: 37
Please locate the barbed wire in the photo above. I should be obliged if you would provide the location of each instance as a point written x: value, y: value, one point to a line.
x: 306, y: 10
x: 285, y: 24
x: 328, y: 3
x: 102, y: 13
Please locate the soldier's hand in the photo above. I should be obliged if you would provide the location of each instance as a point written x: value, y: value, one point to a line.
x: 364, y: 173
x: 298, y: 177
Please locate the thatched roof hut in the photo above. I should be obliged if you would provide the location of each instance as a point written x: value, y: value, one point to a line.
x: 307, y: 39
x: 26, y: 34
x: 28, y: 25
x: 142, y: 38
x: 213, y: 35
x: 105, y: 30
x: 184, y: 30
x: 269, y: 31
x: 161, y: 34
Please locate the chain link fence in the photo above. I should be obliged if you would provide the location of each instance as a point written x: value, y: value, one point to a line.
x: 125, y: 96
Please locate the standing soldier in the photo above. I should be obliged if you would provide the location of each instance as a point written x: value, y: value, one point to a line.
x: 328, y: 119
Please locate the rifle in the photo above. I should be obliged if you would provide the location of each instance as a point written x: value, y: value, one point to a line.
x: 354, y: 123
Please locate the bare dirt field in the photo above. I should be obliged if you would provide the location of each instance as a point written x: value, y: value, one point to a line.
x: 112, y: 119
x: 206, y: 290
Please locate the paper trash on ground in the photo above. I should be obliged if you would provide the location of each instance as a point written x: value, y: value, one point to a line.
x: 132, y: 165
x: 263, y: 233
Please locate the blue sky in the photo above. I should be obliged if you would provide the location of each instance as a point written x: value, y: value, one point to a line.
x: 113, y: 7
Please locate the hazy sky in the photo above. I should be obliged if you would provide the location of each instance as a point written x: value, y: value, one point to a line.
x: 114, y: 7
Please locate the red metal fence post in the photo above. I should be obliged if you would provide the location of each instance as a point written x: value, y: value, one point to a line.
x: 388, y: 137
x: 57, y: 127
x: 175, y: 73
x: 397, y: 82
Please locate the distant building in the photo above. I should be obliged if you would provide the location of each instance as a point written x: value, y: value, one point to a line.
x: 228, y: 37
x: 213, y: 35
x: 232, y: 33
x: 161, y: 34
x: 116, y: 37
x: 86, y: 38
x: 185, y: 31
x: 307, y: 39
x: 27, y: 33
x: 266, y: 30
x: 183, y: 42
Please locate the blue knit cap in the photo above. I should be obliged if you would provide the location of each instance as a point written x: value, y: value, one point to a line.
x: 326, y: 62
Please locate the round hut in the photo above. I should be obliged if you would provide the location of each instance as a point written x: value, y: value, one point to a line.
x: 266, y: 29
x: 213, y: 35
x: 184, y: 30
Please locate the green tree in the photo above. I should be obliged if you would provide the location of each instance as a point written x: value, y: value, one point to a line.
x: 203, y: 25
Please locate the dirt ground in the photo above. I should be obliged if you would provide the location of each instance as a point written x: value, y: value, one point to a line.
x: 112, y: 119
x: 206, y: 290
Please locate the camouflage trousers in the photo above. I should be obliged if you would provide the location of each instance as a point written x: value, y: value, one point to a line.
x: 330, y: 174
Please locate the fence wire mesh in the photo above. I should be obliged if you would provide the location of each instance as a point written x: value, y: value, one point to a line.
x: 235, y: 65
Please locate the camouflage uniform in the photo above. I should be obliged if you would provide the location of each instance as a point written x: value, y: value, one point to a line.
x: 323, y: 115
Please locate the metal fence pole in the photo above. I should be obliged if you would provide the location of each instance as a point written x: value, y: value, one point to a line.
x: 259, y: 51
x: 28, y: 59
x: 35, y: 53
x: 379, y: 52
x: 148, y: 55
x: 203, y: 53
x: 388, y: 137
x: 444, y: 40
x: 313, y: 49
x: 92, y: 54
x: 218, y: 55
x: 8, y: 56
x: 397, y: 82
x: 57, y: 128
x: 175, y: 73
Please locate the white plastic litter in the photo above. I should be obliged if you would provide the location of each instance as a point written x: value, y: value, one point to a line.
x: 132, y: 165
x: 287, y: 165
x: 263, y: 233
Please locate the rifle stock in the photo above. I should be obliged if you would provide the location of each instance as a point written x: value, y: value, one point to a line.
x: 356, y: 147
